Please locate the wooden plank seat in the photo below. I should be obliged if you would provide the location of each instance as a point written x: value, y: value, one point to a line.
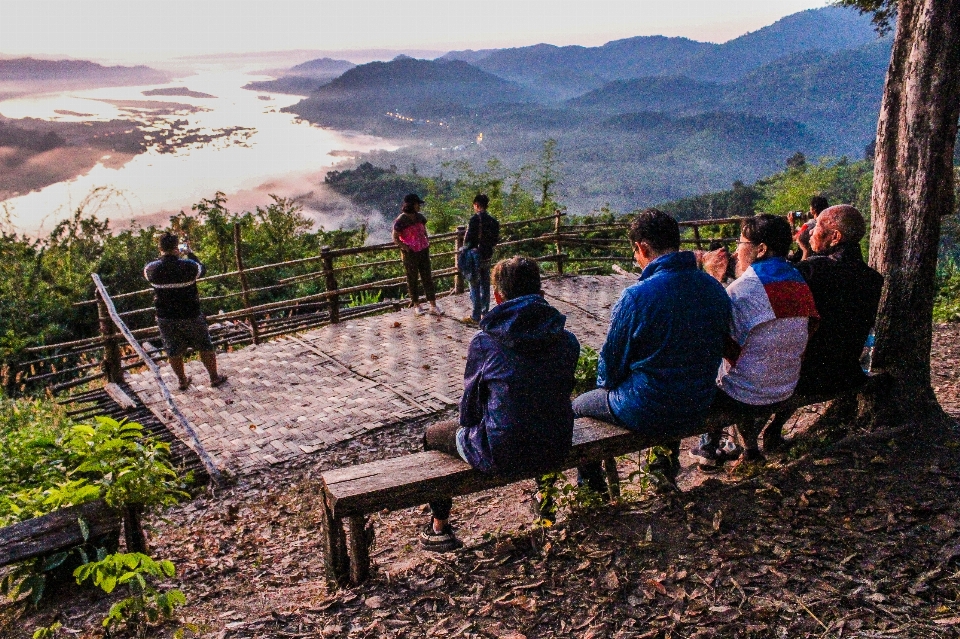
x: 354, y: 492
x: 61, y: 530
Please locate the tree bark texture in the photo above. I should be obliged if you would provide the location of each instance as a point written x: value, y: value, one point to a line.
x: 912, y: 190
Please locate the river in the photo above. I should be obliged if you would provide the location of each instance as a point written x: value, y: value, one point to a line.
x: 276, y: 155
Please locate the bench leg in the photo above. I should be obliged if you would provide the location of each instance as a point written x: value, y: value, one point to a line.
x: 334, y: 548
x: 613, y: 477
x: 133, y: 534
x: 361, y: 537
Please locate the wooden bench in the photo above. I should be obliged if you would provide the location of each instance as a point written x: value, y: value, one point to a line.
x: 391, y: 484
x: 350, y: 494
x: 61, y: 530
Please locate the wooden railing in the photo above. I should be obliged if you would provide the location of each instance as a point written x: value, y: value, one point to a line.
x: 344, y: 275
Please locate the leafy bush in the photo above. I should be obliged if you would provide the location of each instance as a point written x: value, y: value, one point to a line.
x: 946, y: 305
x: 48, y: 463
x: 585, y: 377
x: 145, y: 604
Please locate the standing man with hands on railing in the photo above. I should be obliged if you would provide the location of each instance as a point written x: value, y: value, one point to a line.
x: 177, y: 301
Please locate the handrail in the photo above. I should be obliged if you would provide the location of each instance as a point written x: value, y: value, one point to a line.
x: 212, y: 469
x: 324, y: 299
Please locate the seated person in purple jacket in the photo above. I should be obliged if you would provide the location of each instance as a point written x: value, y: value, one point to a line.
x: 515, y: 414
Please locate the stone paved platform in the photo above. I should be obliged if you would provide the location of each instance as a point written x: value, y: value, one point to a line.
x: 298, y: 394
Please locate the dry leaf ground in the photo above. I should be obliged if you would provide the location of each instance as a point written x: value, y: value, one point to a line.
x: 856, y: 539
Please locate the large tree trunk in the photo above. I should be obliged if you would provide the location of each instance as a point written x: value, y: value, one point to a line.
x: 912, y: 190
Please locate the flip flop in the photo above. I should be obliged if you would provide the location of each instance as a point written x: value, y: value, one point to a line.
x: 219, y: 381
x: 184, y: 387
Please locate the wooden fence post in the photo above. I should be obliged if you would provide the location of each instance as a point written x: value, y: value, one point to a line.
x: 457, y: 279
x: 696, y: 237
x: 111, y: 365
x: 244, y: 287
x: 556, y: 231
x: 331, y: 278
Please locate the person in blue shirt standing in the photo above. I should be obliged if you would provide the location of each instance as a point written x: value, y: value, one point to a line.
x: 658, y: 366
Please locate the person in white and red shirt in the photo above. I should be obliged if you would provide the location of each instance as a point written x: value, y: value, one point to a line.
x: 773, y: 316
x: 410, y: 235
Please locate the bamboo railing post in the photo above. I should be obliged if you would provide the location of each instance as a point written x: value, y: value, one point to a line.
x: 244, y: 287
x: 457, y: 279
x: 696, y: 237
x: 556, y: 231
x: 331, y: 279
x: 111, y: 350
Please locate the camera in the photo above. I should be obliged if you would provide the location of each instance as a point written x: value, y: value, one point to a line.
x: 184, y: 247
x: 797, y: 215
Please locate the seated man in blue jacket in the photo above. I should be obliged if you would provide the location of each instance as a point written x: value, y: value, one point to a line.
x: 515, y: 414
x: 658, y: 366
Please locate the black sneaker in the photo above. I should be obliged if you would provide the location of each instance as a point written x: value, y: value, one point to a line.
x: 728, y: 450
x: 444, y: 541
x: 706, y: 454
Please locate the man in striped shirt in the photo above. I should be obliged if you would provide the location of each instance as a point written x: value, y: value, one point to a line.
x: 177, y: 302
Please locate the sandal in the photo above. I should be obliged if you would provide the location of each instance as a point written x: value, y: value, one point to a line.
x: 219, y: 381
x: 444, y: 541
x: 185, y: 385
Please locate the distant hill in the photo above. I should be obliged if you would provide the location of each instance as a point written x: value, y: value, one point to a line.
x: 559, y: 73
x: 322, y: 67
x: 76, y: 73
x: 835, y: 94
x: 178, y: 91
x: 416, y: 89
x: 829, y: 29
x: 305, y: 78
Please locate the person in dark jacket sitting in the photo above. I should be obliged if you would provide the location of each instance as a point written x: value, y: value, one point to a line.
x: 515, y: 414
x: 177, y: 301
x: 658, y: 366
x: 847, y: 294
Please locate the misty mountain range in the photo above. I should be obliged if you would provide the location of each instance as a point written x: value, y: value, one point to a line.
x: 638, y: 121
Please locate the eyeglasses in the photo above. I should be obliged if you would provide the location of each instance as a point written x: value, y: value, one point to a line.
x: 744, y: 242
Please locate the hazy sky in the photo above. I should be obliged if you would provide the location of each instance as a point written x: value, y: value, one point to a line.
x: 144, y: 30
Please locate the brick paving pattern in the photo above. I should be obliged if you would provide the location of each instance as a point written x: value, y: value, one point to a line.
x: 301, y: 393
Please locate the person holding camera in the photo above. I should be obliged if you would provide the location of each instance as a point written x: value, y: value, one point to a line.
x: 177, y: 302
x: 818, y: 204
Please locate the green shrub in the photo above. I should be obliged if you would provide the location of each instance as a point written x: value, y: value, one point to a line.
x: 585, y: 377
x: 946, y: 305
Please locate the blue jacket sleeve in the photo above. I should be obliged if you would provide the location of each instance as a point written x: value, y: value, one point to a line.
x: 614, y: 364
x: 201, y: 269
x: 471, y: 404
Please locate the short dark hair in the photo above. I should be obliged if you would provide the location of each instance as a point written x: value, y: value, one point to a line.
x: 660, y: 231
x: 772, y: 230
x: 515, y: 277
x: 849, y: 221
x: 818, y: 203
x: 482, y: 200
x: 168, y: 242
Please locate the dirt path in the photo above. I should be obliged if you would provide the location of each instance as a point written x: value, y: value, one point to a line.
x: 858, y: 539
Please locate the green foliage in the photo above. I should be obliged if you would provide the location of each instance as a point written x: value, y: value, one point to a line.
x: 585, y: 377
x: 946, y: 305
x: 145, y: 604
x: 54, y: 465
x: 840, y: 181
x: 364, y: 298
x: 48, y: 632
x: 376, y: 188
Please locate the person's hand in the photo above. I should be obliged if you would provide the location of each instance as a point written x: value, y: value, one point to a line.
x: 715, y: 263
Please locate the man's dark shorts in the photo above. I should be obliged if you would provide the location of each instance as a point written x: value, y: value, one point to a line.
x: 180, y: 334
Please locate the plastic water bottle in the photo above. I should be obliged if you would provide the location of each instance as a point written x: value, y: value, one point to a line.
x: 866, y: 359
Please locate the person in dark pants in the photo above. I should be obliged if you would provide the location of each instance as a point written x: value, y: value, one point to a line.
x: 177, y: 302
x: 515, y: 414
x: 658, y: 366
x: 410, y: 236
x: 483, y: 233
